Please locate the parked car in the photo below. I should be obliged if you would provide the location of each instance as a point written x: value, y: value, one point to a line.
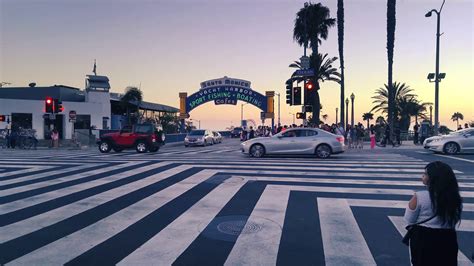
x: 455, y: 142
x: 296, y: 141
x: 235, y: 133
x: 217, y: 137
x: 199, y: 137
x: 141, y: 137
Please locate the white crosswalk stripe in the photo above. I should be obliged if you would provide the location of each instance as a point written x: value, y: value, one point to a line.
x: 61, y: 221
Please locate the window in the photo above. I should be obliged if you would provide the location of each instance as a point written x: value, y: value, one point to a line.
x: 144, y: 129
x: 291, y: 133
x: 310, y: 133
x: 126, y: 129
x: 82, y: 122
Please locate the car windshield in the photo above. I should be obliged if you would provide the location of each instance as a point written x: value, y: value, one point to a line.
x: 196, y: 133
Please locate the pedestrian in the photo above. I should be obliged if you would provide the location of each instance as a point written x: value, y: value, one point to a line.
x: 433, y: 214
x: 466, y: 125
x: 459, y: 127
x: 416, y: 127
x: 360, y: 136
x: 55, y: 138
x: 372, y: 136
x: 251, y: 133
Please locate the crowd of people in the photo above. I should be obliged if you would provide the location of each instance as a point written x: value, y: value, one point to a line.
x: 21, y: 138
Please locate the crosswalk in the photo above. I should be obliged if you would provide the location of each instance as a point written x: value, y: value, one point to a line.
x: 210, y: 206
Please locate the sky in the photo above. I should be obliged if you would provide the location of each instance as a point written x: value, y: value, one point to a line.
x: 170, y: 46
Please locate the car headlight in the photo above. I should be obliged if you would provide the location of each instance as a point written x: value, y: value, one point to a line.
x: 186, y: 139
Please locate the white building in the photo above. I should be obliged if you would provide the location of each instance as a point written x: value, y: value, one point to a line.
x: 25, y: 107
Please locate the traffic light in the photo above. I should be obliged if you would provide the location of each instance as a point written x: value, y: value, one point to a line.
x: 49, y: 105
x: 300, y: 115
x: 289, y: 92
x: 58, y: 106
x: 309, y: 85
x: 3, y: 118
x: 297, y: 96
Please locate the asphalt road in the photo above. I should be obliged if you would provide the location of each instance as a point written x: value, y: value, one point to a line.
x: 213, y: 206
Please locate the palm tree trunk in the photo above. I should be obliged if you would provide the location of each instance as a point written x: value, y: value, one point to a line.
x: 457, y: 123
x: 391, y: 23
x: 340, y: 35
x: 367, y: 123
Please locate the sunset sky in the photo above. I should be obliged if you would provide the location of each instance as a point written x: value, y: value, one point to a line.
x: 170, y: 46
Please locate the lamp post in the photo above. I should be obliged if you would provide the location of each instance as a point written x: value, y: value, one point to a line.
x: 431, y: 114
x: 199, y: 122
x: 347, y: 113
x: 437, y: 76
x: 293, y: 117
x: 277, y: 94
x: 336, y: 115
x: 352, y: 109
x: 242, y: 113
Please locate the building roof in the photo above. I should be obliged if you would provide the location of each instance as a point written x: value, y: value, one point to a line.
x: 146, y: 105
x: 65, y: 93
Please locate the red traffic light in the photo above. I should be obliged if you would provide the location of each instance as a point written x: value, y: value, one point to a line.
x: 2, y: 118
x: 49, y: 105
x: 49, y: 101
x: 309, y: 86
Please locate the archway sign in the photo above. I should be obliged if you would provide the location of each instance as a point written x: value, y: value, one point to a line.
x: 226, y: 91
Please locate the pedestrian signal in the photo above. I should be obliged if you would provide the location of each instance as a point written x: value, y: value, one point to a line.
x: 309, y: 85
x: 58, y: 106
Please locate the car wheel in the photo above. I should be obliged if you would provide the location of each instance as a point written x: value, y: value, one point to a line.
x: 186, y: 146
x: 323, y: 151
x: 451, y: 148
x: 141, y: 147
x: 117, y: 149
x: 205, y: 143
x: 257, y: 150
x: 104, y: 147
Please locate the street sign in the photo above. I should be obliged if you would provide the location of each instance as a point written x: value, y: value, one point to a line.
x: 52, y: 116
x: 72, y: 115
x: 72, y: 120
x: 304, y: 62
x: 304, y: 72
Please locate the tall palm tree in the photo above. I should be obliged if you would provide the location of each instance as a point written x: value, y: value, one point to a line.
x: 340, y: 39
x: 456, y: 117
x: 368, y: 116
x: 391, y: 23
x: 312, y: 25
x: 323, y: 71
x: 133, y: 95
x: 401, y: 91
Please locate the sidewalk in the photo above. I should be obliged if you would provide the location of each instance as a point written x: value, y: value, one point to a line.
x: 406, y: 145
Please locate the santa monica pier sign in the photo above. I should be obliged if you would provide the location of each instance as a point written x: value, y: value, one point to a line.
x: 226, y: 91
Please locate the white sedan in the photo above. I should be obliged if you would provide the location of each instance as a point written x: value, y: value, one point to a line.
x: 455, y: 142
x: 296, y: 141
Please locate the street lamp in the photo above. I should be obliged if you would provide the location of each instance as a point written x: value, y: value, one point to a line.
x: 437, y: 76
x: 347, y: 113
x: 242, y: 113
x: 431, y: 114
x: 293, y: 117
x: 199, y: 122
x: 336, y: 115
x: 277, y: 94
x: 352, y: 109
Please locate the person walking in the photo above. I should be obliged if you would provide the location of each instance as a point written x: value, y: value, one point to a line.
x: 434, y: 213
x: 55, y: 138
x: 372, y: 137
x: 251, y: 133
x: 416, y: 127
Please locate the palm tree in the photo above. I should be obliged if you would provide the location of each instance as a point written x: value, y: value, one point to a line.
x: 340, y: 39
x: 368, y: 116
x: 391, y: 23
x: 325, y: 117
x: 132, y: 95
x: 312, y: 25
x: 324, y: 71
x: 380, y: 120
x: 401, y: 91
x: 455, y: 117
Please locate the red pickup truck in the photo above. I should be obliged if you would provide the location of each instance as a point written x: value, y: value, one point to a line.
x: 141, y: 137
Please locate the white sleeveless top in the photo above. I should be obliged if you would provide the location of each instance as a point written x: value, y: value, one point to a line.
x: 423, y: 211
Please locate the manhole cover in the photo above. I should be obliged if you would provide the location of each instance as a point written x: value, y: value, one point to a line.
x: 228, y: 228
x: 238, y: 227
